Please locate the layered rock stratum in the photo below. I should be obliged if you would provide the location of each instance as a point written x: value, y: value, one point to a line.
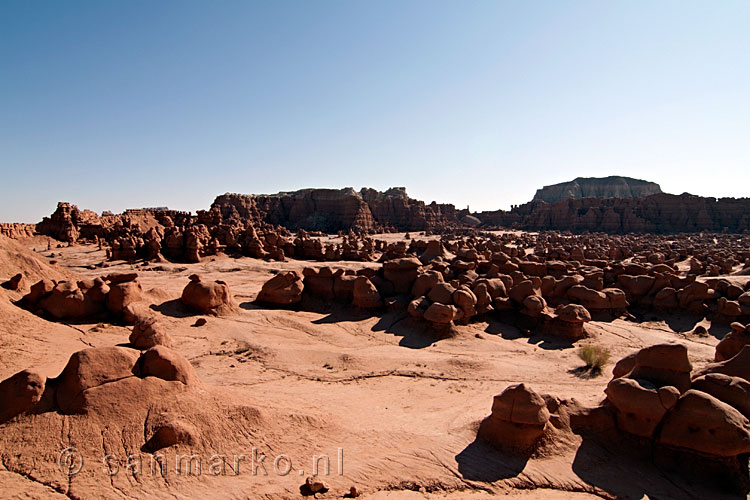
x: 613, y: 186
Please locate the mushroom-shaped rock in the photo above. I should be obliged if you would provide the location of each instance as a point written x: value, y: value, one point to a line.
x: 442, y: 314
x: 465, y: 300
x: 484, y: 299
x: 283, y: 289
x: 569, y: 320
x: 425, y: 282
x: 640, y: 405
x: 20, y: 393
x: 148, y: 332
x: 365, y: 295
x: 434, y: 251
x: 702, y: 423
x: 573, y: 313
x: 91, y: 368
x: 733, y: 342
x: 533, y: 306
x: 402, y: 273
x: 522, y: 290
x: 442, y: 293
x: 164, y: 363
x: 122, y: 294
x: 519, y: 416
x: 663, y: 364
x: 207, y: 297
x: 417, y: 307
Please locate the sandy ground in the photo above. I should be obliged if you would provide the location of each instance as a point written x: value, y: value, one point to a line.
x: 401, y: 407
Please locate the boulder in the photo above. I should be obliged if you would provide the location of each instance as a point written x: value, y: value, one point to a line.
x: 67, y: 301
x: 365, y: 295
x: 148, y: 332
x: 91, y: 368
x: 640, y: 405
x: 702, y: 423
x: 440, y: 313
x: 737, y: 366
x: 733, y: 342
x: 122, y: 294
x: 39, y: 290
x: 207, y: 297
x: 162, y: 362
x: 733, y: 391
x: 442, y: 293
x: 14, y: 283
x: 402, y: 273
x: 417, y: 307
x: 425, y: 282
x: 663, y: 364
x: 283, y: 289
x: 518, y: 419
x: 170, y: 434
x: 20, y: 393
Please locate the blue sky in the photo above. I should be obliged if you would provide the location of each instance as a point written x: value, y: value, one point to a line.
x: 118, y: 104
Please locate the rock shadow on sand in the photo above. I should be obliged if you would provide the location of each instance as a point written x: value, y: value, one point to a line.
x: 415, y: 334
x: 173, y: 308
x: 628, y: 472
x: 480, y: 461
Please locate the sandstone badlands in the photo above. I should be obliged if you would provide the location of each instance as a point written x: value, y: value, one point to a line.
x: 435, y: 362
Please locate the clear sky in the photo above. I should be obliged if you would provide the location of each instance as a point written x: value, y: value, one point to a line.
x: 118, y: 104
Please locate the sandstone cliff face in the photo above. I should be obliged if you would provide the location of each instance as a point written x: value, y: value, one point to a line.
x: 593, y: 187
x: 660, y: 213
x: 17, y: 230
x: 333, y: 210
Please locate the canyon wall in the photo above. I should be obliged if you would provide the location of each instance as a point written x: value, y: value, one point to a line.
x: 660, y: 213
x: 332, y: 210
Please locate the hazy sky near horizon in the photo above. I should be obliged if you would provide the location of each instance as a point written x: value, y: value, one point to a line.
x: 121, y: 104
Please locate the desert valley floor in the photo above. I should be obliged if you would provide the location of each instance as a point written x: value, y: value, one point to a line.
x: 395, y: 408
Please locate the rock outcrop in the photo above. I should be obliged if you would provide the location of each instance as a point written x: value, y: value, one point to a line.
x: 597, y: 187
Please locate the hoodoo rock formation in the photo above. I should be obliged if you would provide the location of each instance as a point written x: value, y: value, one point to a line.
x: 332, y: 210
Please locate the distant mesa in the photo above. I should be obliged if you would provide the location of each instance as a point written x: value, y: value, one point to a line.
x: 597, y: 187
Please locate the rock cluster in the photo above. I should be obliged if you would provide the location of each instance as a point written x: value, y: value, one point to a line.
x: 114, y: 293
x: 92, y: 377
x: 656, y: 397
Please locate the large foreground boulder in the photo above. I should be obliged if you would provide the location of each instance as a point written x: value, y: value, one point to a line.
x: 91, y: 368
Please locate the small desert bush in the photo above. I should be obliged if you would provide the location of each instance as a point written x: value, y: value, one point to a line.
x: 595, y: 356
